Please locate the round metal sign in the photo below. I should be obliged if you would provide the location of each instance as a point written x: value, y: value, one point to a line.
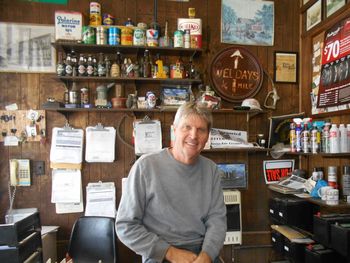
x: 236, y: 74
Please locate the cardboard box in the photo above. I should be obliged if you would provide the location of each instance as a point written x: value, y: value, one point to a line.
x: 193, y: 24
x: 68, y: 25
x: 49, y: 242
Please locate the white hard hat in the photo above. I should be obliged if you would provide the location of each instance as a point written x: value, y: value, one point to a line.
x: 253, y: 104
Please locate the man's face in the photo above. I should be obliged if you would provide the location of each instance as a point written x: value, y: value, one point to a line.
x: 191, y: 135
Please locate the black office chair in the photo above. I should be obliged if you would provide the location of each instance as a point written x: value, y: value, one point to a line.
x: 93, y: 239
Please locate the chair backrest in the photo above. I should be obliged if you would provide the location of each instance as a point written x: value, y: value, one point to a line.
x: 93, y: 239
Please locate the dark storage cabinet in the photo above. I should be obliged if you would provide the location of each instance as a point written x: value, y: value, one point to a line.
x: 21, y: 241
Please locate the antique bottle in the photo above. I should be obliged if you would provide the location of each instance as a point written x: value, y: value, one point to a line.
x: 69, y: 67
x: 81, y: 66
x: 101, y: 67
x: 147, y: 71
x: 60, y: 68
x: 90, y: 66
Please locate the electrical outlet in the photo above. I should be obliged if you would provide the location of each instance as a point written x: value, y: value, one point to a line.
x: 38, y: 167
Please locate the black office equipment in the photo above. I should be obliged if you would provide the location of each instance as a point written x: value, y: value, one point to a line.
x: 318, y: 253
x: 93, y: 239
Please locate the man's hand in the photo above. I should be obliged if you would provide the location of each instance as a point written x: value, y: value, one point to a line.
x: 203, y: 257
x: 176, y: 255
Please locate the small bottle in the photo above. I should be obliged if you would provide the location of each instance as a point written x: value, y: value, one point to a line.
x: 343, y: 138
x: 346, y: 183
x: 334, y: 139
x: 101, y: 67
x: 147, y: 71
x: 90, y: 66
x: 187, y: 39
x: 60, y: 68
x: 81, y: 66
x: 94, y: 62
x: 69, y: 67
x: 332, y: 176
x: 107, y: 67
x: 298, y: 131
x: 66, y: 95
x: 74, y: 64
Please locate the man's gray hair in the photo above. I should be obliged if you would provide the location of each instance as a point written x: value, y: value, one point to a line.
x: 192, y: 108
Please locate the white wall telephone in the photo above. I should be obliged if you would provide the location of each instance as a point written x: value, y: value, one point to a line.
x: 19, y: 172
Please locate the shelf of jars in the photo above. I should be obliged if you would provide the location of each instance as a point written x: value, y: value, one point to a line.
x: 158, y: 109
x: 130, y: 79
x: 67, y: 47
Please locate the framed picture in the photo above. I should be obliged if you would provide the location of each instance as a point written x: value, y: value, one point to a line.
x: 247, y: 24
x: 27, y: 48
x: 174, y: 96
x: 286, y: 67
x: 333, y: 5
x: 233, y: 175
x: 314, y: 15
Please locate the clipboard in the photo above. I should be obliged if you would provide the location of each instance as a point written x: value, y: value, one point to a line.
x: 147, y: 136
x: 100, y: 144
x: 66, y: 148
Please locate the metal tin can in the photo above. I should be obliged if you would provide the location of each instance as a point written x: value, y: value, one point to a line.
x: 139, y: 37
x: 114, y: 36
x: 84, y: 96
x: 179, y: 38
x: 196, y: 41
x: 152, y: 37
x: 126, y: 36
x: 142, y: 25
x: 187, y: 39
x: 108, y: 19
x: 101, y: 35
x: 95, y: 14
x: 89, y: 35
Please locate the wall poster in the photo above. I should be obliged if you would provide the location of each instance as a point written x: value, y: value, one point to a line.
x: 247, y: 22
x: 27, y: 48
x: 334, y: 87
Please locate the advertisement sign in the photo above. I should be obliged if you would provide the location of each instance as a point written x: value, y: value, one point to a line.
x: 274, y: 170
x: 335, y: 73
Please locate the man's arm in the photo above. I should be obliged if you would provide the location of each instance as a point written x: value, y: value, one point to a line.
x: 215, y: 221
x: 129, y: 227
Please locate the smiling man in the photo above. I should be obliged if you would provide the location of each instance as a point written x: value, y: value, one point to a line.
x: 172, y: 208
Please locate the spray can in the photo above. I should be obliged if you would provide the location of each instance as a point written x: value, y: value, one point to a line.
x: 298, y: 131
x: 305, y: 136
x: 315, y: 139
x: 325, y: 138
x: 343, y: 138
x: 332, y: 176
x: 293, y: 138
x: 346, y: 183
x: 334, y: 139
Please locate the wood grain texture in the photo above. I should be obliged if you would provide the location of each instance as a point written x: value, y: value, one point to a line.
x: 31, y: 90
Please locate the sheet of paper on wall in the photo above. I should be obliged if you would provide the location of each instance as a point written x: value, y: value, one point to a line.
x: 67, y: 145
x: 148, y: 136
x: 66, y: 186
x: 100, y: 199
x: 68, y: 208
x: 100, y: 144
x: 223, y: 138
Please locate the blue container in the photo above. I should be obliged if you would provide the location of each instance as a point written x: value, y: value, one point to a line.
x: 114, y: 36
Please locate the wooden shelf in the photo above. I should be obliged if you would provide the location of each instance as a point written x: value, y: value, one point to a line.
x: 109, y: 49
x: 138, y: 80
x: 238, y: 149
x: 325, y: 155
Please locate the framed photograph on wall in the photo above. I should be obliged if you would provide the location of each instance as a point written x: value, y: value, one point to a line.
x: 27, y: 48
x: 286, y: 67
x: 314, y: 15
x: 247, y: 24
x: 333, y: 5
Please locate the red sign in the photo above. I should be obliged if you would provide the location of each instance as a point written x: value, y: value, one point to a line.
x: 274, y: 170
x: 335, y: 73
